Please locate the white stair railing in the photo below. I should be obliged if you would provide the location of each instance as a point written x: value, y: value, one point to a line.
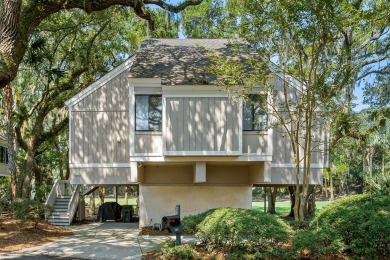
x: 51, y: 199
x: 73, y: 203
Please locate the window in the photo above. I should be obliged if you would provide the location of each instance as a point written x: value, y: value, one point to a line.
x: 3, y: 155
x: 254, y: 113
x: 148, y: 113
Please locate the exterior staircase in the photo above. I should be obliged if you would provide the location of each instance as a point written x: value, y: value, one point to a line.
x: 60, y: 215
x: 64, y: 198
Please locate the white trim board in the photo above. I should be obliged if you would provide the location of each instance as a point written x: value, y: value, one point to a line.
x: 242, y: 158
x: 292, y: 165
x: 99, y: 165
x: 100, y: 82
x: 202, y: 153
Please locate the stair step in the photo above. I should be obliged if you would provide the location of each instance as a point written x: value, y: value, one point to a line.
x: 62, y: 200
x: 64, y: 197
x: 64, y: 213
x: 61, y: 210
x: 59, y: 218
x: 58, y: 223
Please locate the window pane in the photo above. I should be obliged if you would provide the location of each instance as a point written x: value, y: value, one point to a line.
x: 141, y: 112
x: 155, y: 113
x: 247, y: 117
x: 2, y: 154
x: 254, y: 115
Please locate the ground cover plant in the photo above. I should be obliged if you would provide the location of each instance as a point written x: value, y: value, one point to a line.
x: 240, y: 232
x: 357, y: 225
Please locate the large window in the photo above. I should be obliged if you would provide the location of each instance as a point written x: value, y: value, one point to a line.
x: 254, y: 113
x: 148, y: 113
x: 3, y: 155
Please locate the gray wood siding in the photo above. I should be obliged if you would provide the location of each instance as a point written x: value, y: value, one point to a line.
x: 100, y: 125
x: 254, y: 143
x: 148, y: 143
x: 113, y: 96
x: 201, y: 124
x: 95, y: 137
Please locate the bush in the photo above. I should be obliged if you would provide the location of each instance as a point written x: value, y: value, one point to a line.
x: 29, y: 210
x: 170, y: 251
x: 191, y: 222
x: 379, y: 185
x: 317, y: 244
x: 358, y: 225
x: 243, y: 229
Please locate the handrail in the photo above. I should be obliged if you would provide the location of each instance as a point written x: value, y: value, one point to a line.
x: 58, y: 189
x: 51, y: 198
x: 73, y: 203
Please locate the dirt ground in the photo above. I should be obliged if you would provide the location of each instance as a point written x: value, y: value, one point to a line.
x: 14, y: 236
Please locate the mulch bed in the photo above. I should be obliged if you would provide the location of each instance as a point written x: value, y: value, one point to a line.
x: 14, y: 236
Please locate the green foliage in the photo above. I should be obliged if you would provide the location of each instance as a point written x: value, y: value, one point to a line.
x: 4, y: 205
x: 191, y: 222
x: 243, y: 229
x: 358, y: 225
x: 317, y: 244
x: 379, y: 185
x: 29, y: 210
x: 5, y: 183
x: 170, y: 251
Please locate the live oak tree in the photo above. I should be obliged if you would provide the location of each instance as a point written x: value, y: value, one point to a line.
x: 66, y: 53
x: 20, y: 18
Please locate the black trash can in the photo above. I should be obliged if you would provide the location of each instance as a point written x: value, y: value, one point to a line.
x: 127, y: 213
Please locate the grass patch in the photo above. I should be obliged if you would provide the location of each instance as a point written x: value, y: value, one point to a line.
x: 283, y: 207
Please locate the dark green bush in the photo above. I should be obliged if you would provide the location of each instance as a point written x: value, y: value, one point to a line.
x: 317, y: 244
x: 191, y: 222
x: 244, y: 229
x: 170, y: 251
x: 29, y: 210
x: 358, y: 225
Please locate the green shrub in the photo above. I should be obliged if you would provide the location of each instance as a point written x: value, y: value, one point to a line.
x: 243, y: 229
x: 29, y: 210
x: 379, y: 185
x: 358, y: 225
x: 317, y: 244
x: 191, y: 222
x: 170, y: 251
x: 4, y: 205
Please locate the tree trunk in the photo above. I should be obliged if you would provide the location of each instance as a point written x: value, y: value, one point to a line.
x: 291, y: 190
x: 127, y: 195
x: 272, y: 199
x: 325, y: 188
x: 331, y: 186
x: 8, y: 105
x: 92, y: 203
x: 102, y: 192
x: 10, y: 40
x: 311, y: 201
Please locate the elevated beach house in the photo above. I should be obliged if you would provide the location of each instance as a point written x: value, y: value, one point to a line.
x: 160, y: 121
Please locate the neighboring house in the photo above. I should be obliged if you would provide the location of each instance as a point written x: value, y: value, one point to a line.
x: 160, y: 121
x: 4, y: 171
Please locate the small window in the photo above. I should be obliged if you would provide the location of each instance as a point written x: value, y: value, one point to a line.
x: 148, y: 113
x: 254, y: 113
x: 3, y: 155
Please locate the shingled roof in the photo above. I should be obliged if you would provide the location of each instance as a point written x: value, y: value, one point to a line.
x: 178, y: 61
